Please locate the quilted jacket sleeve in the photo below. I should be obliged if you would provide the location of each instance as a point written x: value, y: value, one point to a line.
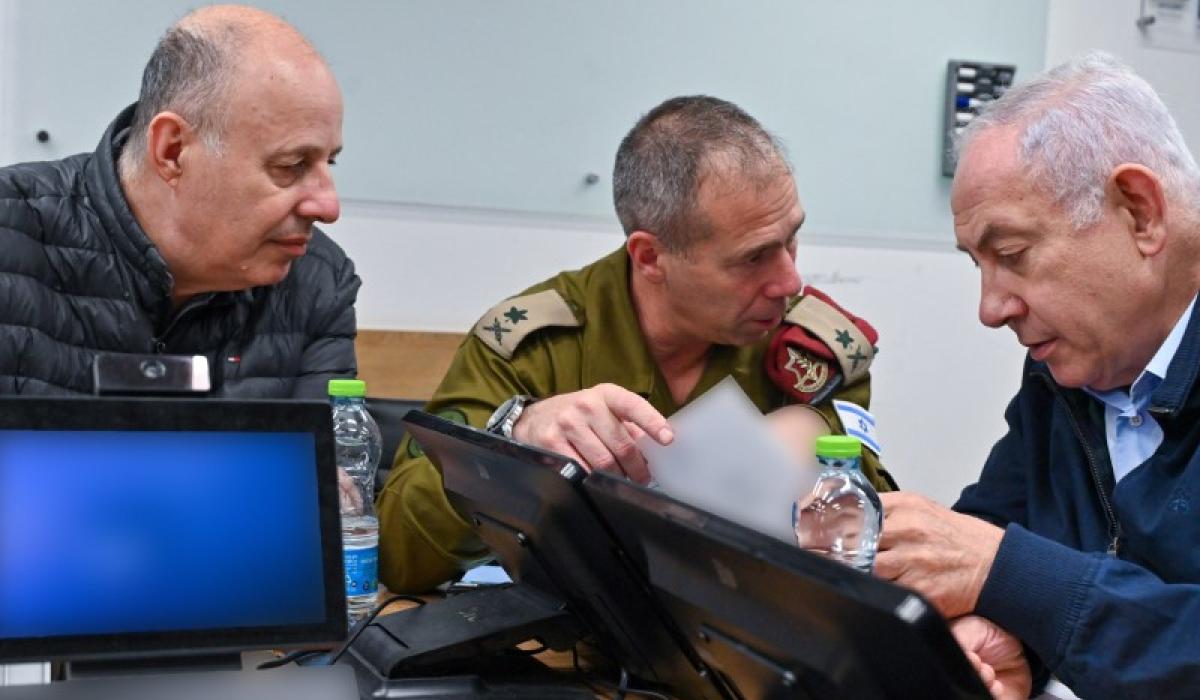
x: 329, y: 353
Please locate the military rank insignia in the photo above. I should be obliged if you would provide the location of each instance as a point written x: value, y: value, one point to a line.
x: 505, y: 325
x: 819, y: 348
x: 811, y: 373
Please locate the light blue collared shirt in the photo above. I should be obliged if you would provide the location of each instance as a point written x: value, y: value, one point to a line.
x: 1130, y: 430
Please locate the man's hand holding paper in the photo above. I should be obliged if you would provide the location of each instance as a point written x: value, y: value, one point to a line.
x: 727, y: 460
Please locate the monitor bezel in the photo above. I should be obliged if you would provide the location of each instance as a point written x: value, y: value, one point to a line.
x: 160, y: 414
x: 647, y: 522
x: 564, y: 549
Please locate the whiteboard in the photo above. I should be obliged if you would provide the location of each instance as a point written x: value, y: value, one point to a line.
x: 510, y: 105
x: 493, y: 113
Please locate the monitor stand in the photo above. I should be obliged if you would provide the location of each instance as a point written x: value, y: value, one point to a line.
x: 462, y: 647
x: 456, y: 633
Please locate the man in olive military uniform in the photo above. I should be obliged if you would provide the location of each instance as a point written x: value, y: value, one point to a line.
x: 585, y: 362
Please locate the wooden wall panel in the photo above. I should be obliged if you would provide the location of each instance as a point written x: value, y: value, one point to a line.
x: 404, y: 364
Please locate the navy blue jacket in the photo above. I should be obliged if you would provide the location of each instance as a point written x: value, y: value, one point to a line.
x: 1100, y: 580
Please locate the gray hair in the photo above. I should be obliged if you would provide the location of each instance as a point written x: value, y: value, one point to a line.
x: 191, y: 73
x: 663, y: 160
x: 1081, y: 119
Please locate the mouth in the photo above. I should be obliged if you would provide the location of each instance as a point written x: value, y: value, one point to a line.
x: 1040, y: 351
x: 767, y: 323
x: 295, y: 245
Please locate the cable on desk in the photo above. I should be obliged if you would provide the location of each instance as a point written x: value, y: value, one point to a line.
x: 583, y: 676
x: 286, y: 659
x: 366, y: 622
x: 649, y: 693
x: 624, y: 689
x: 623, y: 686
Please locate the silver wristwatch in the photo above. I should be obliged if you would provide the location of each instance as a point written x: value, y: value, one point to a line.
x: 505, y: 417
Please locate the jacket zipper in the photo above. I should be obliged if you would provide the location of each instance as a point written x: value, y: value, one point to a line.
x: 1114, y: 528
x: 160, y: 340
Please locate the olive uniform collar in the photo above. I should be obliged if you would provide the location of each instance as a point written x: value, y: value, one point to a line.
x: 615, y: 349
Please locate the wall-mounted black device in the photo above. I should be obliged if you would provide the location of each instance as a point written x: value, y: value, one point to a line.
x: 970, y: 85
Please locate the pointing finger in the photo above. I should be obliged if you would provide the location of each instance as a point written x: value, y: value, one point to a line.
x: 630, y: 407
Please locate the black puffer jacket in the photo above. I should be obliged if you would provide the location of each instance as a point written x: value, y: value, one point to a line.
x: 79, y: 276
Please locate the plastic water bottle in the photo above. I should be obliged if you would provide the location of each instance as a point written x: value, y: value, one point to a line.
x: 358, y: 445
x: 842, y: 517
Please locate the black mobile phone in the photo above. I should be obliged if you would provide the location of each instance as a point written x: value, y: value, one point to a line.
x: 150, y: 374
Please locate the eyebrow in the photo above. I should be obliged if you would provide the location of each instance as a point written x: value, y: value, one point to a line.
x: 803, y: 218
x: 992, y: 232
x: 305, y: 151
x: 750, y: 252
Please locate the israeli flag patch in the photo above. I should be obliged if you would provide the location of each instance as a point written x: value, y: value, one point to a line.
x: 858, y: 422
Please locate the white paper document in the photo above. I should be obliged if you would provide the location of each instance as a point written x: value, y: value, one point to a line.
x: 726, y: 460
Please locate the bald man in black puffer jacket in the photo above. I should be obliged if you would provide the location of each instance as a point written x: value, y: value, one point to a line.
x: 190, y: 229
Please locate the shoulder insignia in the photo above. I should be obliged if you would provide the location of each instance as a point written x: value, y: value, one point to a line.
x: 839, y: 331
x: 506, y: 324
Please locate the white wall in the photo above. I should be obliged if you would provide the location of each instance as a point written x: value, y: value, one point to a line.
x: 506, y: 106
x: 940, y: 379
x: 8, y: 68
x: 1076, y: 26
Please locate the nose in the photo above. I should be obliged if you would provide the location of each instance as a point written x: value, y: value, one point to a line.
x: 320, y: 202
x: 785, y: 280
x: 998, y: 306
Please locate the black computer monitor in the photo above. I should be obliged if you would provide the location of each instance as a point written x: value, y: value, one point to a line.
x: 154, y: 527
x: 528, y: 507
x: 779, y: 622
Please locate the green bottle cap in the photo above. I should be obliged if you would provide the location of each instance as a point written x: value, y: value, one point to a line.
x: 347, y: 387
x: 838, y: 446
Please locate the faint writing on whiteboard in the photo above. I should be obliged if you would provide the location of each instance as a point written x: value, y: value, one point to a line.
x: 830, y: 279
x: 1170, y: 24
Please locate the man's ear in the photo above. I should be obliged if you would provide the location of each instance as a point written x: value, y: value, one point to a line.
x: 167, y: 137
x: 1138, y: 194
x: 645, y: 255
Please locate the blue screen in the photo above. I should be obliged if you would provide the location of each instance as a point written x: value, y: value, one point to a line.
x: 141, y: 531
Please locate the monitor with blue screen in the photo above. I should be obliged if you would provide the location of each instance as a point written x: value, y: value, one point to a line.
x: 166, y: 526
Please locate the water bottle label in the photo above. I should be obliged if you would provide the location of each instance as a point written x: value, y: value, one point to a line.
x: 362, y: 570
x: 852, y: 463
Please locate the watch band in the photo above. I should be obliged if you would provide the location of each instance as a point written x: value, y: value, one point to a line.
x: 514, y: 414
x: 506, y: 416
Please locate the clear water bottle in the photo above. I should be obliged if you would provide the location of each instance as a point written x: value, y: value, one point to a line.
x: 358, y: 445
x: 842, y: 517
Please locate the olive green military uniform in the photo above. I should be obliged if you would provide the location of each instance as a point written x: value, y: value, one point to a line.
x: 571, y: 332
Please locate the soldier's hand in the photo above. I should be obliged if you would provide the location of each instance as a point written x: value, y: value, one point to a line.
x: 944, y: 555
x: 597, y: 427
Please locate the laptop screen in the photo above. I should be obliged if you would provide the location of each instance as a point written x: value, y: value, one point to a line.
x: 201, y: 528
